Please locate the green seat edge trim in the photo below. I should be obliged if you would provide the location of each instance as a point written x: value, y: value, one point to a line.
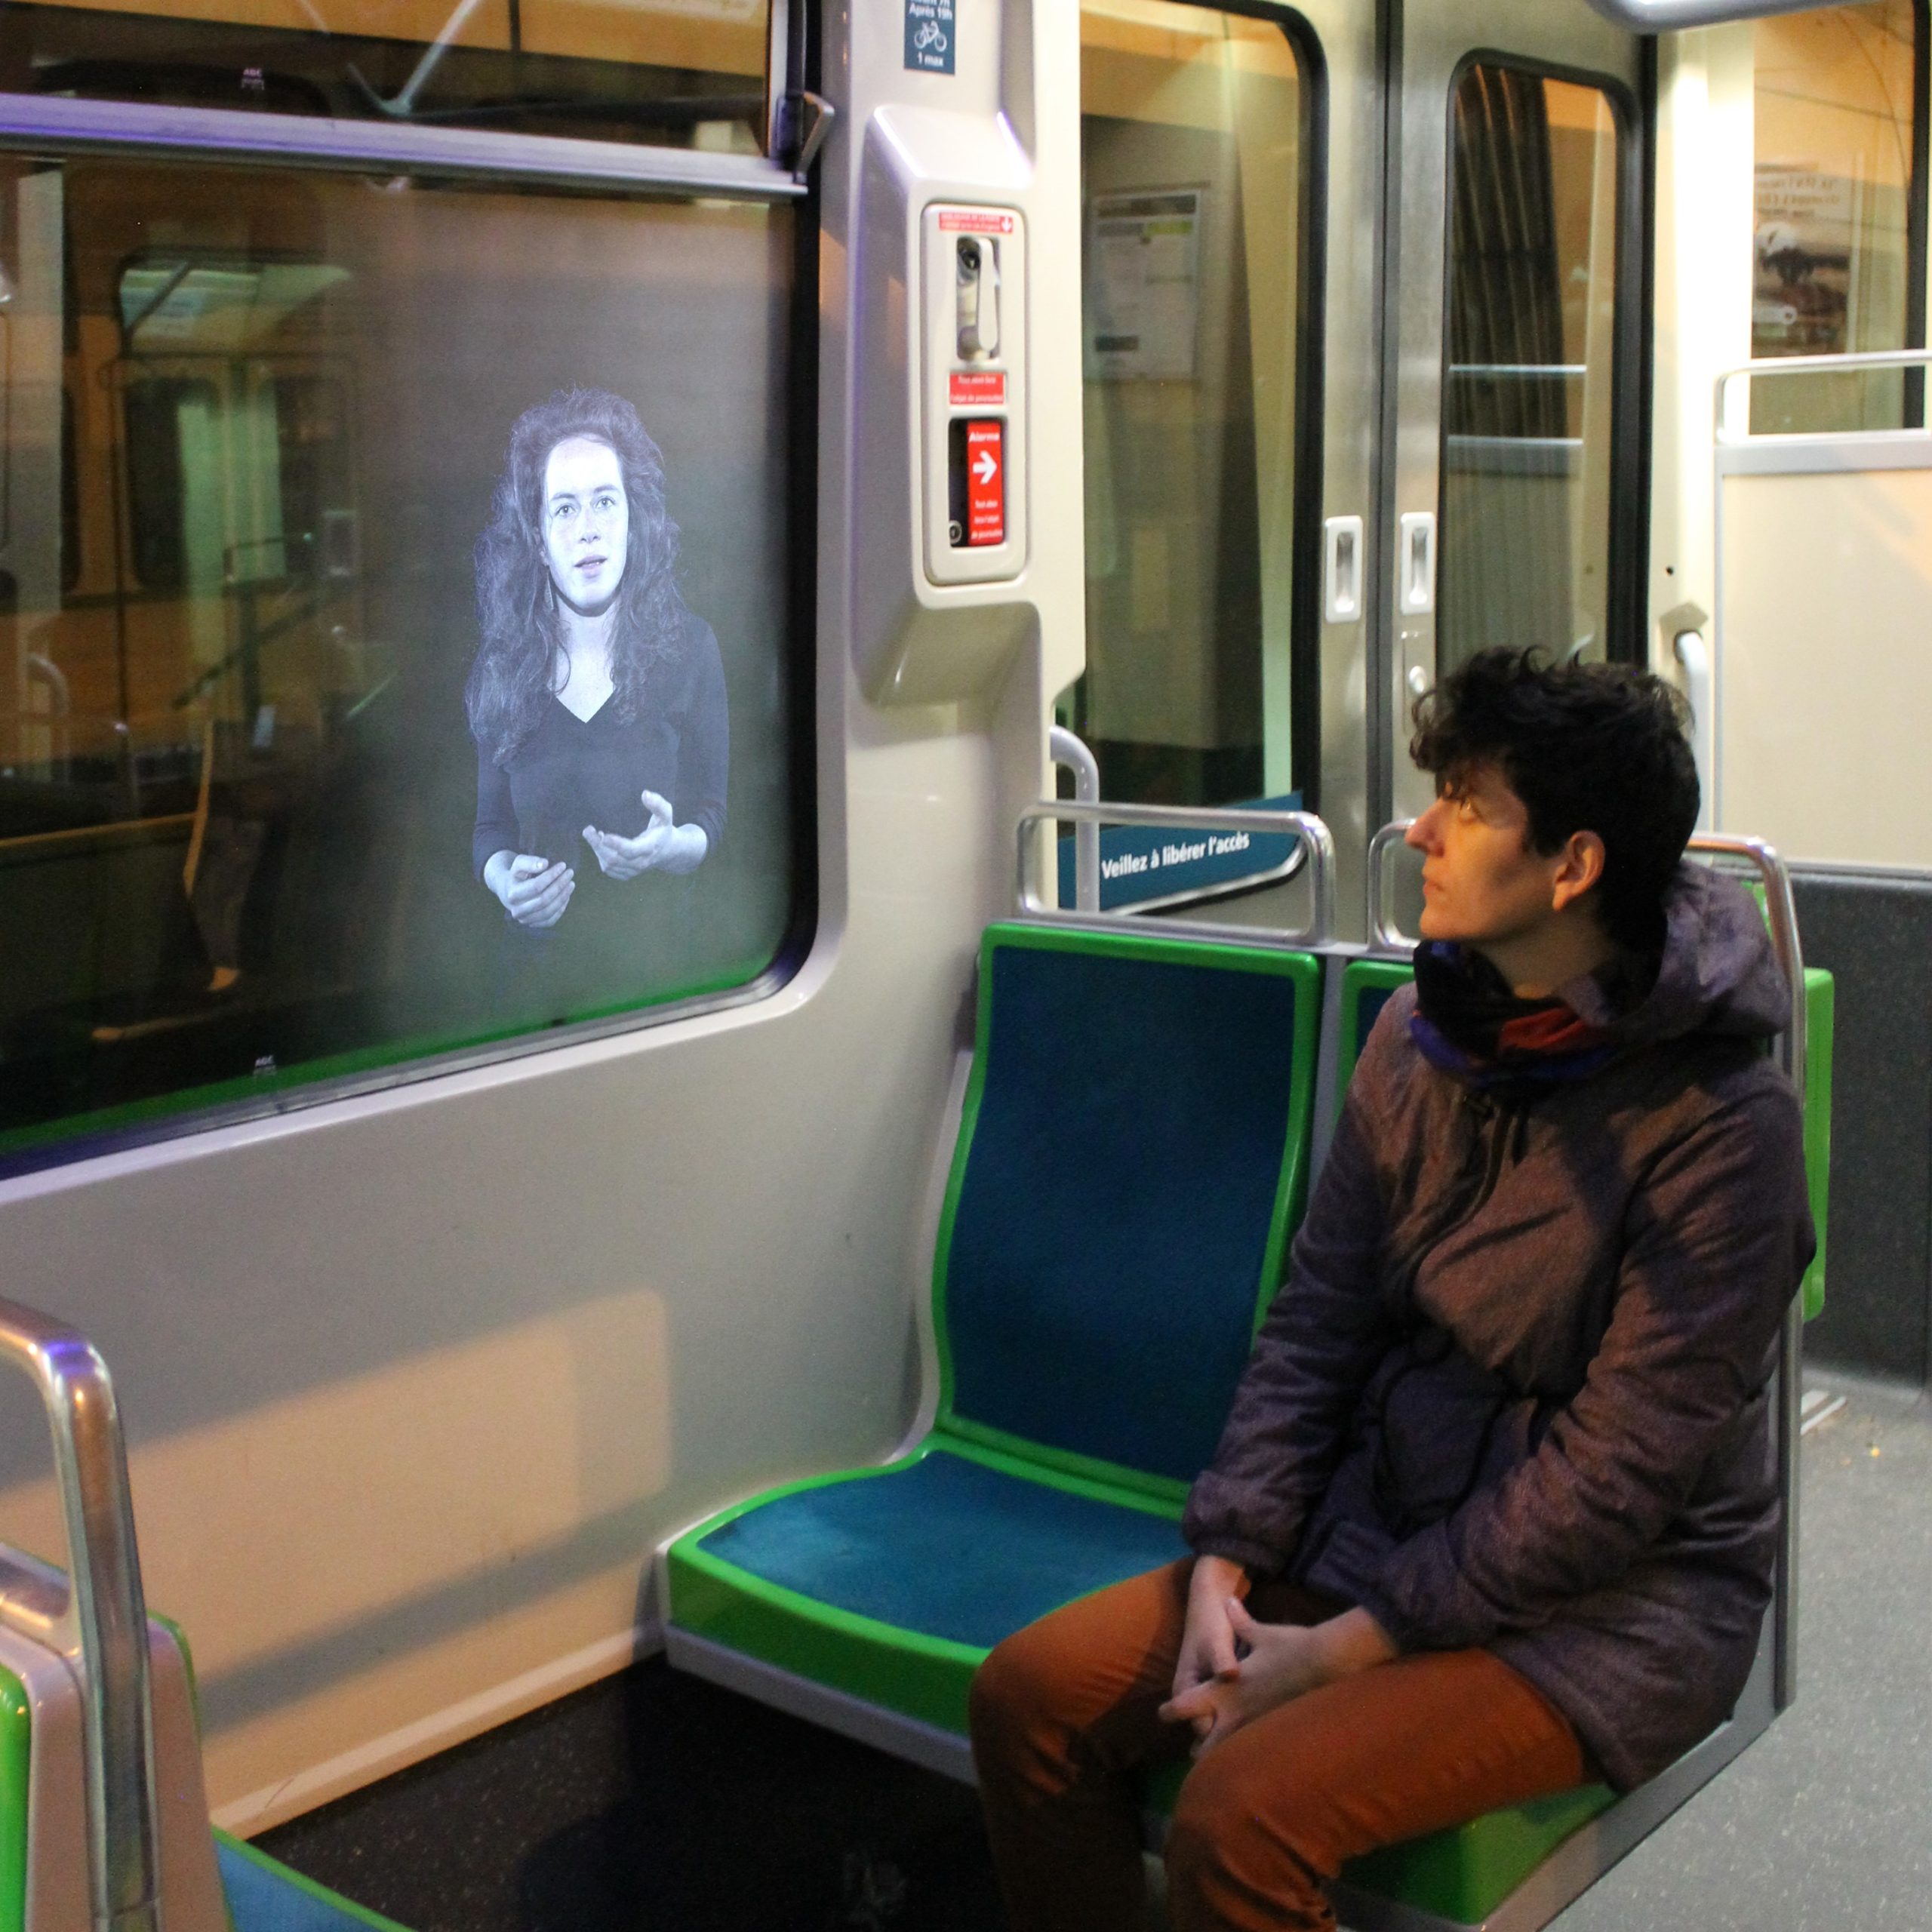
x: 1305, y: 969
x: 1463, y: 1872
x: 1466, y: 1872
x: 16, y: 1756
x: 1820, y: 1011
x: 906, y: 1671
x: 1358, y: 977
x: 296, y: 1881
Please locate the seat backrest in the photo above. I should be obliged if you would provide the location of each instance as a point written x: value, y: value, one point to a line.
x: 1132, y: 1156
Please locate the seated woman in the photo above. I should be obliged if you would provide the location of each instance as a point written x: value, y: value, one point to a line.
x: 1495, y: 1510
x: 596, y: 698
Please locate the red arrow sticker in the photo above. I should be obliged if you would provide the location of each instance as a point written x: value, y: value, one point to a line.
x: 985, y: 483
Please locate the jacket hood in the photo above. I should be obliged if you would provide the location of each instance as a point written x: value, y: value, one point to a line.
x: 1717, y: 974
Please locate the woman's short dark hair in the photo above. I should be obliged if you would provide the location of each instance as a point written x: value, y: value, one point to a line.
x: 1596, y: 748
x: 516, y: 605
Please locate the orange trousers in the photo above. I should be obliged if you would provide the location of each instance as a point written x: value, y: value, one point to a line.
x: 1063, y: 1717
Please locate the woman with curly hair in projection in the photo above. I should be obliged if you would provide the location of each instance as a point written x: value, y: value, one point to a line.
x: 596, y: 699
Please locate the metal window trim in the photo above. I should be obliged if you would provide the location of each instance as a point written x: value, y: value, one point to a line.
x: 222, y: 134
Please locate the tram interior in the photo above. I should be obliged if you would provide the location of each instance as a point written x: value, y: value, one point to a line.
x: 442, y: 1297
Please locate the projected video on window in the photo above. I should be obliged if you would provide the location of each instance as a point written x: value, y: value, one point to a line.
x: 597, y: 697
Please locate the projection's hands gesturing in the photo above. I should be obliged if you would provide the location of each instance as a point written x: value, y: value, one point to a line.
x: 660, y: 847
x: 534, y: 891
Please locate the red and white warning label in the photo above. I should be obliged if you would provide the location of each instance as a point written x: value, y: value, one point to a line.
x: 985, y: 483
x: 975, y: 221
x: 983, y: 388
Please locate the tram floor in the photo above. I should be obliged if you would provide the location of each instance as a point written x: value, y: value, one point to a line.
x: 658, y: 1804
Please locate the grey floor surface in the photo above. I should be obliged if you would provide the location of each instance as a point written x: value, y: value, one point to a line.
x: 1825, y: 1824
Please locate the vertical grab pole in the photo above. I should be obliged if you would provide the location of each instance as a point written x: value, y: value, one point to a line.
x: 1073, y: 752
x: 104, y: 1630
x: 1781, y: 911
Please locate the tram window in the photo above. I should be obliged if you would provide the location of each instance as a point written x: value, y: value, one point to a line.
x: 1839, y: 253
x: 680, y: 73
x: 1193, y: 126
x: 241, y: 799
x: 1527, y: 418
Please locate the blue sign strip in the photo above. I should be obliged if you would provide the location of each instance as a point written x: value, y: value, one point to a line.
x: 1139, y: 863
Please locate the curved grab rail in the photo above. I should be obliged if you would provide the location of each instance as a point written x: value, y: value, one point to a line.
x: 1781, y: 915
x: 1072, y: 751
x: 1781, y: 911
x: 1384, y: 935
x: 99, y: 1622
x: 1304, y: 825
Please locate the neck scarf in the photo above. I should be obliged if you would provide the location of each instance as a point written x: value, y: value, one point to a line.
x: 1468, y: 1023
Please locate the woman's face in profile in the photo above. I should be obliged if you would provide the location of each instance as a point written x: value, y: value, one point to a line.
x: 587, y: 523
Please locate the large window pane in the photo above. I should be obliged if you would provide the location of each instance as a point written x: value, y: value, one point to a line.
x: 1835, y: 264
x: 1527, y: 416
x: 681, y: 73
x: 265, y: 520
x: 1192, y: 168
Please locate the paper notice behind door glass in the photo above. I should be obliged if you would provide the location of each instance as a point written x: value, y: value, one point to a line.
x: 1143, y: 284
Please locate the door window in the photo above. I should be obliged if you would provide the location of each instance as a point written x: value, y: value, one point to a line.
x: 1529, y: 415
x: 1195, y: 179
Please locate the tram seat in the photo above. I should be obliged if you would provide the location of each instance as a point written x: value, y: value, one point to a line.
x: 1132, y: 1155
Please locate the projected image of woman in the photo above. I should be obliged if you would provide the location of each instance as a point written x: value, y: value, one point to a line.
x: 596, y: 699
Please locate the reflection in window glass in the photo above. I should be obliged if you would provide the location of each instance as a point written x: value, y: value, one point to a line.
x: 1528, y: 392
x: 678, y: 73
x: 1191, y: 123
x: 308, y: 485
x: 1835, y: 265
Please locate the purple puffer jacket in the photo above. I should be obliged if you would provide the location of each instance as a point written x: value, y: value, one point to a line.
x: 1514, y: 1390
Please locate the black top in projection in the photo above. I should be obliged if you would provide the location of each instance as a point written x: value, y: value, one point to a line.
x: 1128, y: 1166
x: 574, y: 772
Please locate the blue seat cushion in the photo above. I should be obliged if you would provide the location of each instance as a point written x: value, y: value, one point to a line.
x: 893, y: 1583
x: 946, y: 1545
x: 265, y: 1896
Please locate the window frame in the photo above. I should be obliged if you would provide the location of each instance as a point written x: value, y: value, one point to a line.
x: 210, y: 1104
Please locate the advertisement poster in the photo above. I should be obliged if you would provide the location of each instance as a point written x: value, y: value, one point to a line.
x: 1807, y: 218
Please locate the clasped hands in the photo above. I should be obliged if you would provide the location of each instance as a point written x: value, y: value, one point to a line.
x: 1232, y: 1670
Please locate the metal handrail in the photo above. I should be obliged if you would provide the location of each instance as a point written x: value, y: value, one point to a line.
x: 1384, y: 936
x: 1073, y: 751
x: 1302, y: 826
x: 99, y: 1622
x: 1812, y: 365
